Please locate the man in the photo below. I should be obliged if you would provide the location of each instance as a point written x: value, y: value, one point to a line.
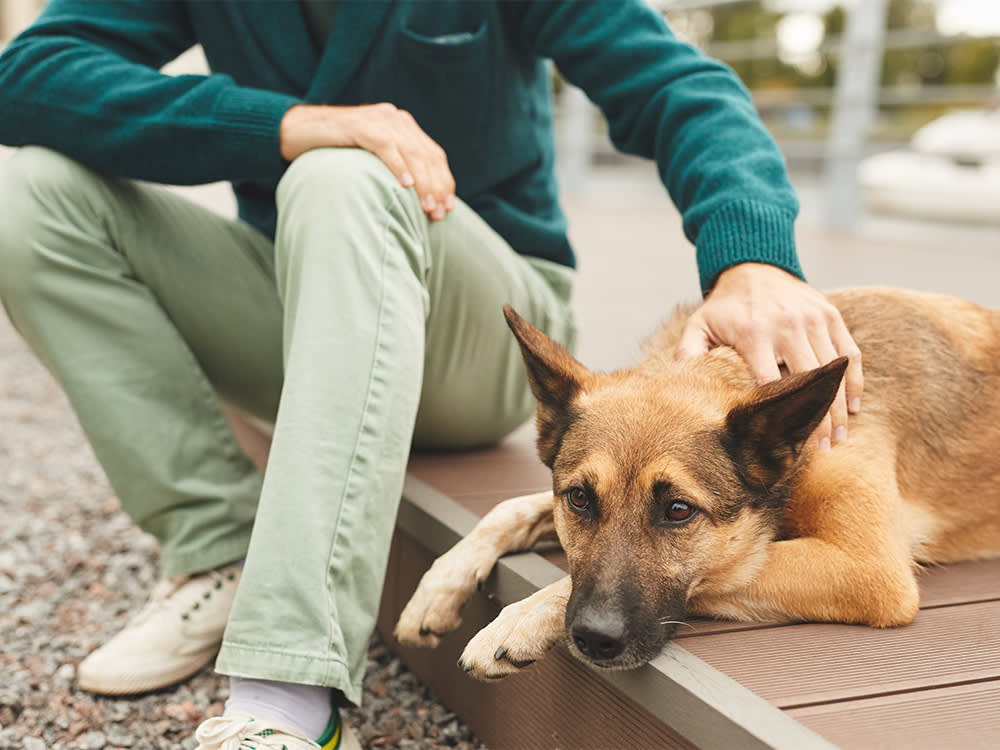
x: 393, y: 165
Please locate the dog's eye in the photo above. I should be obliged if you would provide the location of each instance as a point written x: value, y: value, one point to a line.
x: 577, y: 499
x: 678, y: 511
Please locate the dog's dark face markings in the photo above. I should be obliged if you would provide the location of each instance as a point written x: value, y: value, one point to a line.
x: 648, y: 502
x: 667, y: 484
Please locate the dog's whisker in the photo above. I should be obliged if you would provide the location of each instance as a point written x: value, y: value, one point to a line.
x: 678, y: 622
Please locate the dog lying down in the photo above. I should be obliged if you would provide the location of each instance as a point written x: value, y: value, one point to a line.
x: 683, y: 488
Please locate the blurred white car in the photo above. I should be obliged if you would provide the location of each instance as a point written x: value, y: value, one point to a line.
x: 951, y: 171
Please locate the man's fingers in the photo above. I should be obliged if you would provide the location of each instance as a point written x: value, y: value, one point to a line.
x: 393, y: 159
x: 801, y: 355
x: 854, y: 380
x: 443, y: 186
x: 822, y: 434
x: 434, y: 182
x: 760, y: 358
x: 423, y: 179
x: 414, y: 157
x: 824, y: 352
x: 694, y: 340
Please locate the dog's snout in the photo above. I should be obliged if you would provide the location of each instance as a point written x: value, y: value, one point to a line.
x: 599, y: 637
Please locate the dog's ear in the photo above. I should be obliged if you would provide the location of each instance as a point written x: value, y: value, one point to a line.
x: 768, y: 431
x: 555, y: 377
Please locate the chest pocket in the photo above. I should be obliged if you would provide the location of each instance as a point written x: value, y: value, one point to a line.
x: 443, y: 75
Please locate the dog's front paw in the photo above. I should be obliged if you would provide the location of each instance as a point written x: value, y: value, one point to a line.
x: 520, y: 635
x: 434, y: 608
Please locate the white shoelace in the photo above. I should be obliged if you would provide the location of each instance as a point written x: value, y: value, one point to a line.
x: 162, y: 593
x: 234, y: 732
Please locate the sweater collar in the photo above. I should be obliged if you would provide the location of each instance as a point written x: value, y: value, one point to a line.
x: 353, y: 32
x: 321, y: 73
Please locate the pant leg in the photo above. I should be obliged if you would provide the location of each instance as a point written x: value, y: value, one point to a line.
x: 373, y: 293
x: 475, y: 384
x: 135, y: 299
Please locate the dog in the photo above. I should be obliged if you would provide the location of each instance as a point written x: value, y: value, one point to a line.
x: 683, y: 487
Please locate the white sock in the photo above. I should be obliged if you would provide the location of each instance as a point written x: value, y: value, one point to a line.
x: 305, y: 707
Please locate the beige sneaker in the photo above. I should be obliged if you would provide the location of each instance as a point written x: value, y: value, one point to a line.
x: 177, y: 633
x: 243, y: 730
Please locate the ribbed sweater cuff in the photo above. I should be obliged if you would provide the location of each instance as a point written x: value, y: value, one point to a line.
x: 746, y: 231
x: 255, y: 115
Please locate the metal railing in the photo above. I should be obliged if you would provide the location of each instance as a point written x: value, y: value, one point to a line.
x: 853, y: 101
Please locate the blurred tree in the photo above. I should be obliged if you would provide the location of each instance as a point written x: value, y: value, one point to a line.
x: 911, y: 14
x: 966, y: 60
x: 752, y: 22
x: 972, y: 61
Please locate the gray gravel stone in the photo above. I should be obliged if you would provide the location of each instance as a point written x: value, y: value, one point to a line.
x: 73, y: 569
x: 93, y: 741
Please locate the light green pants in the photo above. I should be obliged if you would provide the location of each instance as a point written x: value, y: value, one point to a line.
x: 363, y: 327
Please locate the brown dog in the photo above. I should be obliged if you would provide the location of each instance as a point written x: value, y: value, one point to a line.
x: 683, y: 488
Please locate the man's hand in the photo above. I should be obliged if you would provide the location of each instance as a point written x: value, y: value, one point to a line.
x: 771, y: 317
x: 389, y: 133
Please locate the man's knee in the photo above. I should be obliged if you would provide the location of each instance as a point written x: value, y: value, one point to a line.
x: 333, y: 193
x: 341, y: 175
x: 36, y: 184
x: 40, y: 174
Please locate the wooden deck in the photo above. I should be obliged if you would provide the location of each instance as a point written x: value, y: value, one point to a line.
x: 933, y: 684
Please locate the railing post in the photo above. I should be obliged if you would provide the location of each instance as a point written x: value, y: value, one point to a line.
x: 576, y: 142
x: 854, y: 105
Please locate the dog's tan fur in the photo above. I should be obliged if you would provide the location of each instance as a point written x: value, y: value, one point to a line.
x: 781, y: 531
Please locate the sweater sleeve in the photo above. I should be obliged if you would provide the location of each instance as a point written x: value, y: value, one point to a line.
x: 665, y: 100
x: 84, y: 80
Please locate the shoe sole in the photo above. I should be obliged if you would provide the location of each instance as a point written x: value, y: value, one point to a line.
x: 130, y: 684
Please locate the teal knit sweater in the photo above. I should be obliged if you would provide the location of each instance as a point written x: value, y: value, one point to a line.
x: 83, y: 80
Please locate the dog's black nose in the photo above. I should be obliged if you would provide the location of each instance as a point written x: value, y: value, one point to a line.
x: 599, y: 637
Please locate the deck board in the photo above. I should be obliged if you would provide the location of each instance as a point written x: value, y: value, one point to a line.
x: 961, y: 717
x: 798, y: 665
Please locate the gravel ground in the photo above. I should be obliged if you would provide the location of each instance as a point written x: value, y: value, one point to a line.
x: 73, y: 568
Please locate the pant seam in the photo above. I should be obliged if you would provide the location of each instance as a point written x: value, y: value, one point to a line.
x: 337, y: 528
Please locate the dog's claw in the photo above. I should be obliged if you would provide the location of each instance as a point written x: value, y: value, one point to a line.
x: 434, y: 609
x: 523, y: 664
x: 500, y: 653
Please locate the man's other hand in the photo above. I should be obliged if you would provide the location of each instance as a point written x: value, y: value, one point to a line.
x: 771, y: 318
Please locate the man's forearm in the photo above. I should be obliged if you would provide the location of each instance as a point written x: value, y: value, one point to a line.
x: 122, y: 116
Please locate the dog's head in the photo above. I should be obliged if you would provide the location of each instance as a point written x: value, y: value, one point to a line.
x: 670, y: 481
